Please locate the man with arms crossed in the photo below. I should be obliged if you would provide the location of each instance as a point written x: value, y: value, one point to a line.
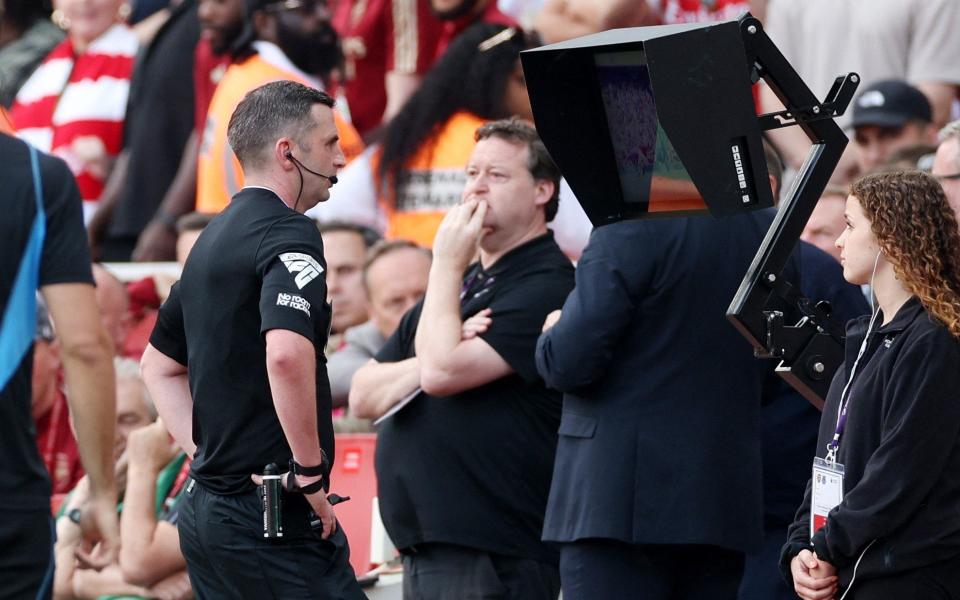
x: 464, y: 469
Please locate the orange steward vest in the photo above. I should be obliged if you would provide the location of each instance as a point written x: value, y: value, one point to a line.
x: 219, y: 175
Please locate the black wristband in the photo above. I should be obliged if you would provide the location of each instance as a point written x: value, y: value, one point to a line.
x: 321, y: 469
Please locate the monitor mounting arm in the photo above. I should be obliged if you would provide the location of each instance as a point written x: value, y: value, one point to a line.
x: 811, y: 349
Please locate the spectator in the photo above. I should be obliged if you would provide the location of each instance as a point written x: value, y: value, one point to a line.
x: 43, y: 245
x: 459, y: 15
x: 345, y: 248
x: 158, y: 123
x: 394, y: 279
x: 561, y: 20
x: 915, y: 157
x: 889, y: 116
x: 467, y: 513
x: 418, y: 172
x: 114, y: 306
x: 226, y: 37
x: 946, y: 164
x: 388, y: 46
x: 295, y: 41
x: 26, y: 36
x: 73, y: 105
x: 149, y: 544
x: 879, y: 519
x: 51, y: 412
x: 135, y: 412
x: 889, y: 39
x: 189, y: 228
x: 826, y: 221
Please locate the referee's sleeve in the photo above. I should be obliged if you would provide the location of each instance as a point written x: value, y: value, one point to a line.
x: 168, y: 334
x: 293, y: 296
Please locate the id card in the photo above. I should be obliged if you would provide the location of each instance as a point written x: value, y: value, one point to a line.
x: 826, y: 492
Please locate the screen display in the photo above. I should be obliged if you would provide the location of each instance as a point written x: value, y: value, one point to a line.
x: 650, y: 171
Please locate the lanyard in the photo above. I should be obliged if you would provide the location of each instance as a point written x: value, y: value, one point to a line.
x: 834, y: 443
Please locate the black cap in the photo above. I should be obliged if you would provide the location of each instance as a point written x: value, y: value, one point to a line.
x: 890, y: 103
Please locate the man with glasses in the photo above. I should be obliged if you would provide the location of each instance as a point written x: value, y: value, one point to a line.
x: 946, y: 164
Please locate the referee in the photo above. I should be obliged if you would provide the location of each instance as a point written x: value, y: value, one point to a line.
x: 235, y: 363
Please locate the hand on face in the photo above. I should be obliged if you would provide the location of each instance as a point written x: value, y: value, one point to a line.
x: 458, y: 237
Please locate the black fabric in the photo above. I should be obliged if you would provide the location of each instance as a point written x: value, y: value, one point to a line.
x: 222, y: 539
x: 159, y: 119
x: 474, y: 469
x: 257, y: 266
x: 939, y: 581
x: 443, y: 571
x: 26, y: 555
x: 592, y: 569
x: 900, y: 450
x: 789, y: 425
x: 65, y: 259
x: 660, y: 434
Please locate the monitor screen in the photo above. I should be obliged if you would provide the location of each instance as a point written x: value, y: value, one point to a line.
x: 649, y: 169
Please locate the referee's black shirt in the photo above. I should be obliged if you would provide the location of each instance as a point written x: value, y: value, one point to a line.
x: 257, y: 266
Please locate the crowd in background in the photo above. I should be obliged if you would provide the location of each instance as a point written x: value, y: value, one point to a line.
x: 135, y: 98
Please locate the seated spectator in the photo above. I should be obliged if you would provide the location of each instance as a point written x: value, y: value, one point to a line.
x: 345, y: 248
x: 561, y: 20
x: 394, y: 279
x: 50, y: 411
x: 149, y: 544
x: 114, y: 306
x: 26, y: 36
x: 889, y: 116
x: 73, y: 105
x: 134, y: 410
x: 826, y: 222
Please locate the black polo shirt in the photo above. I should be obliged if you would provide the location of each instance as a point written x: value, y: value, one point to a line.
x: 257, y: 266
x: 65, y: 258
x: 474, y: 469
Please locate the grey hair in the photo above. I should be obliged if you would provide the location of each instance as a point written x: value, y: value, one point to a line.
x: 129, y: 369
x: 950, y: 130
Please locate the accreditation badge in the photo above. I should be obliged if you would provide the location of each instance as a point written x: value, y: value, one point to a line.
x: 826, y: 491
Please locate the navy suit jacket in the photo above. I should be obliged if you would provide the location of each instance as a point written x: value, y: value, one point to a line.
x: 660, y: 435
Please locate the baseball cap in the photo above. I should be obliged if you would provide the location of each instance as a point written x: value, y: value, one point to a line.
x: 890, y: 103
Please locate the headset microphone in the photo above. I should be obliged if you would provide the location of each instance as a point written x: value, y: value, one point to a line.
x: 331, y: 179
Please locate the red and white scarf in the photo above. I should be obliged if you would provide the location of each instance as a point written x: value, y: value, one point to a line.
x: 73, y: 107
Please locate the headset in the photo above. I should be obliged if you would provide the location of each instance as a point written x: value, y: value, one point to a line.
x: 331, y: 178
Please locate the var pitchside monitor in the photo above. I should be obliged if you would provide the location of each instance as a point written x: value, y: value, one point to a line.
x: 651, y: 122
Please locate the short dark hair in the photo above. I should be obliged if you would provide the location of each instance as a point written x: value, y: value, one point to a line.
x: 383, y: 248
x: 270, y: 111
x: 370, y: 237
x: 539, y: 162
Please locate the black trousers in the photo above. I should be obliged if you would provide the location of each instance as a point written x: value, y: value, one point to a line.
x: 610, y: 569
x: 26, y: 555
x: 449, y: 572
x: 227, y: 556
x: 762, y: 579
x: 940, y: 581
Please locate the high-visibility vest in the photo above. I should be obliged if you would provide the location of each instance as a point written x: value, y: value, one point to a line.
x: 219, y: 175
x: 433, y: 181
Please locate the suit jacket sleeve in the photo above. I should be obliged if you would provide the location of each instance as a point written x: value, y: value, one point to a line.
x: 577, y: 351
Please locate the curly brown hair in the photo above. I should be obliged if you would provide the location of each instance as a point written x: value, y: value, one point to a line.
x: 916, y: 228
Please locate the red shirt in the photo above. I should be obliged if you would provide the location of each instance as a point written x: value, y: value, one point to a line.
x: 58, y: 447
x: 208, y: 69
x: 378, y: 37
x: 452, y: 29
x: 698, y: 11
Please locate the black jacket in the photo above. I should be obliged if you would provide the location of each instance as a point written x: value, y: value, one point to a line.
x: 660, y: 435
x: 900, y: 450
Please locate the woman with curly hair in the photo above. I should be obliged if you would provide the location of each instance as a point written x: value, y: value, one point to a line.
x: 881, y: 514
